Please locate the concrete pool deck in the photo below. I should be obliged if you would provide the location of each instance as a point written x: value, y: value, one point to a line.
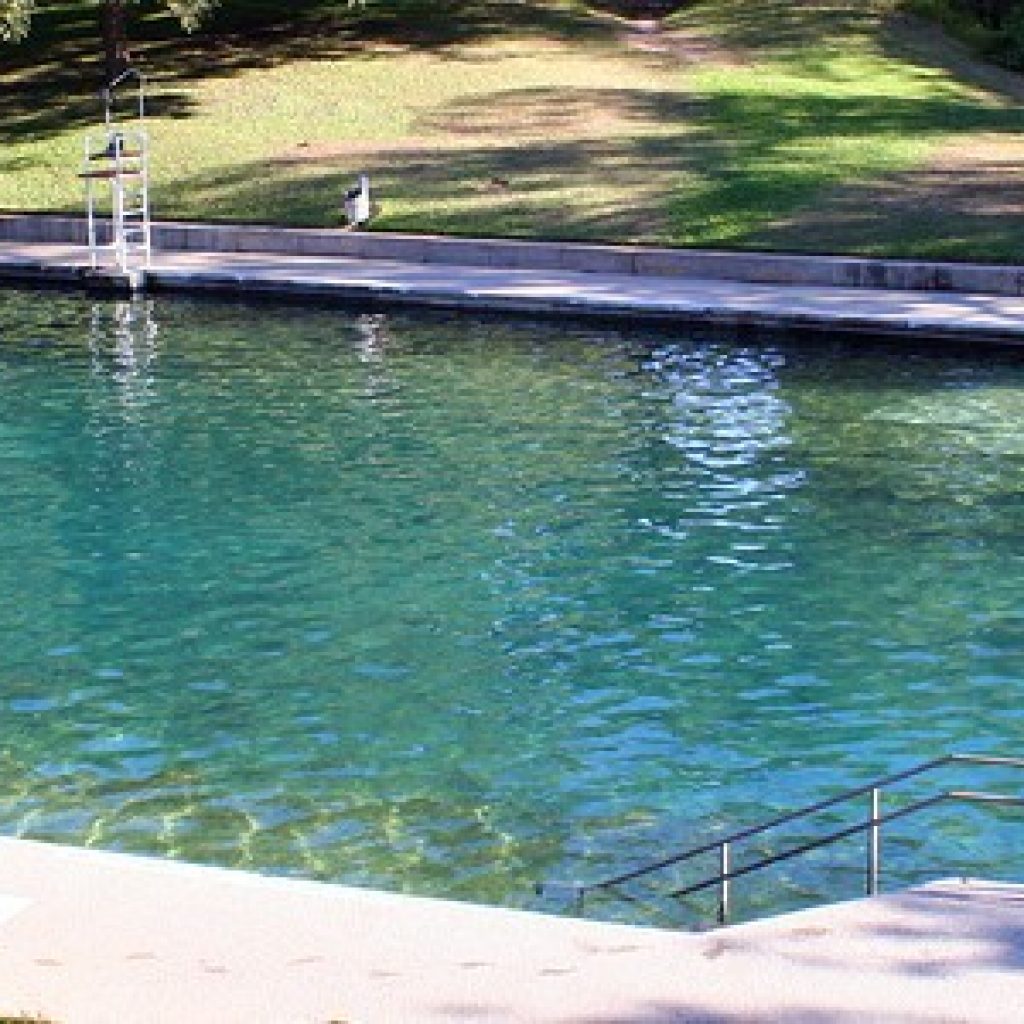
x: 952, y: 316
x: 89, y: 937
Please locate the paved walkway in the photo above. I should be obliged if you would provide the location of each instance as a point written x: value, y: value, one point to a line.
x: 919, y: 314
x: 99, y: 938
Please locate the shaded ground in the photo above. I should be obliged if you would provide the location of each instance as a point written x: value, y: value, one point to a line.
x: 679, y: 45
x: 729, y: 123
x: 972, y: 188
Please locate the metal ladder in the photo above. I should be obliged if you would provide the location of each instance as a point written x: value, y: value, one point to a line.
x: 116, y: 176
x: 722, y: 879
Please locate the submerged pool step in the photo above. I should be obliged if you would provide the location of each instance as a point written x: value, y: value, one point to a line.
x: 576, y: 893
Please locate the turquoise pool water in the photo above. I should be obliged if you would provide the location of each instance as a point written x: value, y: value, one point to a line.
x: 448, y: 606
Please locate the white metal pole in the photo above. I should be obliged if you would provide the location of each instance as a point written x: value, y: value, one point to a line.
x: 874, y: 843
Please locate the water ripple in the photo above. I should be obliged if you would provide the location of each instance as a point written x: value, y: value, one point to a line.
x: 450, y: 606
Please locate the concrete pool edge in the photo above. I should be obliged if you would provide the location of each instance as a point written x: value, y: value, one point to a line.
x: 923, y: 316
x: 763, y: 267
x: 94, y: 937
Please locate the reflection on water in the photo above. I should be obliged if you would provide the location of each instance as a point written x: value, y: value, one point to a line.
x: 450, y: 606
x: 123, y: 346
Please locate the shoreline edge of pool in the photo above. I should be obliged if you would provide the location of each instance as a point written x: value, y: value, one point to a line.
x: 962, y: 304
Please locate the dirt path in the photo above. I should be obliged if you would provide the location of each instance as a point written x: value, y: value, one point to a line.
x: 679, y: 46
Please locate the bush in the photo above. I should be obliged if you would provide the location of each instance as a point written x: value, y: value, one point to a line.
x: 993, y: 28
x: 1013, y: 41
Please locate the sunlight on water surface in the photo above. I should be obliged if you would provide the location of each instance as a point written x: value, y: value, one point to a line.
x: 450, y: 606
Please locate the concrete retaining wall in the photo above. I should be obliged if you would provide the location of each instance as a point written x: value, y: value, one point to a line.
x: 763, y: 268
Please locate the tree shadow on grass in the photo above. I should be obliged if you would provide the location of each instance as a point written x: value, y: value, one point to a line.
x: 59, y: 104
x: 663, y: 167
x: 50, y: 82
x: 541, y: 162
x: 927, y: 46
x: 527, y: 165
x: 947, y: 211
x: 517, y: 191
x: 764, y: 173
x: 766, y: 27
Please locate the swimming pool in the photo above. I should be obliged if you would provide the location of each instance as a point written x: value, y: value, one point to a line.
x: 450, y: 605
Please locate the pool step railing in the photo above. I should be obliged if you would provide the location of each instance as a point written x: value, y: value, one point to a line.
x: 115, y: 172
x: 872, y: 825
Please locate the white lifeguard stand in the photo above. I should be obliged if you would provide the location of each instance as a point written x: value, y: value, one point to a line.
x: 116, y: 176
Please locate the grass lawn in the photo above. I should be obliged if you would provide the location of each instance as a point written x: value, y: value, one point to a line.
x: 822, y: 125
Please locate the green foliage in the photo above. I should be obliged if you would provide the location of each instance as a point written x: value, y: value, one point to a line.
x: 15, y: 18
x: 1010, y: 50
x: 16, y: 15
x: 190, y: 12
x: 992, y: 28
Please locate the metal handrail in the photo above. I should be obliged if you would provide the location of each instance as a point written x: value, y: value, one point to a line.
x: 125, y: 151
x: 107, y: 94
x: 726, y: 873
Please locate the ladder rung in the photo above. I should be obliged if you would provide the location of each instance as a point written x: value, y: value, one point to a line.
x: 123, y: 216
x: 112, y: 172
x: 125, y: 154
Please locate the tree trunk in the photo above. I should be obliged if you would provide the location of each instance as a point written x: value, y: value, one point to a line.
x: 114, y: 22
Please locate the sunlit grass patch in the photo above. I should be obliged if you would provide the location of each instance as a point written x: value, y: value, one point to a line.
x: 747, y: 124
